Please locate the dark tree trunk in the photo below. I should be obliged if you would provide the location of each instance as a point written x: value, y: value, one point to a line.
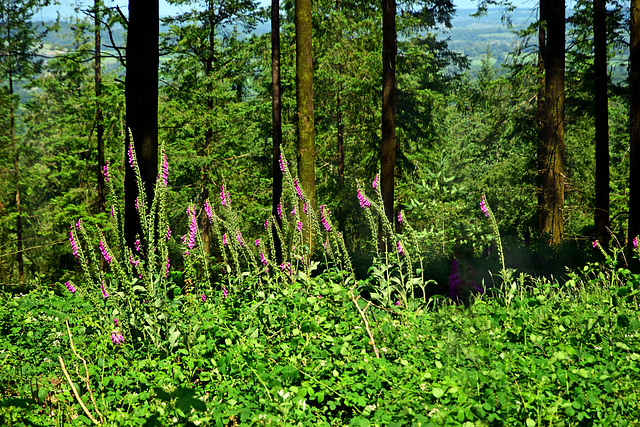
x: 98, y: 91
x: 601, y: 102
x: 16, y: 164
x: 306, y: 155
x: 340, y: 139
x: 388, y: 149
x: 141, y: 93
x: 634, y: 88
x: 276, y: 122
x: 551, y: 153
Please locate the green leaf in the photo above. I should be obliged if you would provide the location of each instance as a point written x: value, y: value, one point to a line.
x: 437, y: 392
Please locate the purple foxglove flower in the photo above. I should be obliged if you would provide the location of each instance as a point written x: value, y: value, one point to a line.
x: 134, y: 262
x: 193, y: 227
x: 185, y: 254
x: 165, y: 169
x: 105, y: 295
x: 224, y: 293
x: 130, y: 154
x: 105, y: 252
x: 207, y: 209
x: 137, y: 206
x: 223, y: 196
x: 400, y: 250
x: 167, y: 268
x: 364, y: 203
x: 266, y: 224
x: 113, y: 214
x: 204, y: 297
x: 168, y: 233
x: 293, y: 211
x: 595, y: 244
x: 239, y: 238
x: 299, y: 226
x: 72, y: 240
x: 115, y: 322
x: 263, y: 259
x: 280, y: 210
x: 298, y: 190
x: 635, y: 242
x: 324, y: 215
x: 400, y: 217
x: 105, y: 172
x: 224, y: 239
x: 70, y: 287
x: 483, y: 206
x: 258, y: 242
x: 282, y: 163
x: 137, y: 245
x: 375, y: 182
x: 304, y: 207
x: 398, y: 303
x: 117, y: 338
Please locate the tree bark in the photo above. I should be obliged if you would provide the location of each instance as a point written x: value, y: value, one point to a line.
x: 98, y: 91
x: 340, y: 140
x: 551, y: 153
x: 601, y: 103
x: 16, y: 171
x: 634, y: 88
x: 276, y: 123
x: 388, y: 148
x: 141, y: 93
x: 304, y: 99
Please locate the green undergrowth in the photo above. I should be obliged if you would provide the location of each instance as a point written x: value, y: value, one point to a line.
x: 301, y: 355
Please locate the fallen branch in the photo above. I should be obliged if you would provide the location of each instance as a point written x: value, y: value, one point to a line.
x: 75, y: 392
x: 372, y: 342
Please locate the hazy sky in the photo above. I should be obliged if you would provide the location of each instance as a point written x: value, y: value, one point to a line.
x: 68, y: 6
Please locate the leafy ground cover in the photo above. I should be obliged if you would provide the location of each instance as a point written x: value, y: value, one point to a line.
x: 301, y: 354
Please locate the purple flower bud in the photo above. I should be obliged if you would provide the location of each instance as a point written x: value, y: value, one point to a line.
x: 207, y: 209
x: 165, y: 169
x: 72, y: 240
x: 266, y: 224
x: 398, y: 303
x: 115, y: 322
x: 105, y: 295
x: 263, y: 259
x: 635, y: 242
x: 223, y: 196
x: 105, y: 172
x: 400, y: 217
x: 280, y: 210
x: 375, y: 182
x: 70, y: 287
x: 298, y: 190
x: 324, y: 215
x: 282, y: 163
x: 204, y: 297
x: 257, y: 242
x: 167, y: 268
x: 224, y: 293
x: 239, y: 238
x: 400, y: 250
x: 595, y: 244
x: 364, y: 203
x: 224, y: 239
x: 193, y: 227
x: 137, y: 245
x: 130, y: 154
x: 117, y: 338
x: 293, y: 211
x: 137, y: 207
x: 299, y: 226
x: 483, y: 206
x: 168, y: 233
x: 105, y: 252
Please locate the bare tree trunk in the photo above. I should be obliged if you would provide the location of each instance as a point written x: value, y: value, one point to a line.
x: 98, y: 91
x: 141, y: 93
x: 388, y: 148
x: 551, y: 154
x: 340, y: 139
x: 306, y: 155
x: 16, y: 175
x: 276, y: 122
x: 634, y: 88
x: 601, y: 103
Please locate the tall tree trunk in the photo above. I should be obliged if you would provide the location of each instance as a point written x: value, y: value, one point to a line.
x: 388, y: 148
x: 16, y: 175
x: 340, y: 139
x: 634, y: 88
x: 141, y: 93
x: 542, y: 35
x: 276, y: 122
x: 601, y: 102
x: 551, y: 154
x: 98, y: 91
x: 306, y: 155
